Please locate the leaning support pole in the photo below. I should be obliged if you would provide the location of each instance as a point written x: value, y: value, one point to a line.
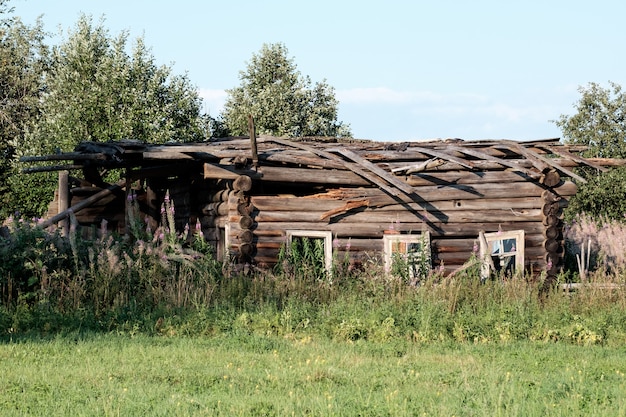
x: 83, y: 204
x: 253, y: 147
x: 64, y: 200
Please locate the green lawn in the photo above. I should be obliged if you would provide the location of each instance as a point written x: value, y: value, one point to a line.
x: 253, y: 375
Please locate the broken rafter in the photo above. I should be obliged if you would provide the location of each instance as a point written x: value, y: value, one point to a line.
x: 445, y: 156
x: 78, y: 156
x: 566, y: 154
x: 539, y: 160
x: 487, y: 157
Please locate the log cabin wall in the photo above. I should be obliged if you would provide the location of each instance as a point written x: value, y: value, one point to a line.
x: 454, y: 215
x: 246, y: 204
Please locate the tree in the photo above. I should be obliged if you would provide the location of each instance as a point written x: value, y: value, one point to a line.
x: 281, y: 101
x: 96, y: 91
x: 23, y: 62
x: 599, y: 123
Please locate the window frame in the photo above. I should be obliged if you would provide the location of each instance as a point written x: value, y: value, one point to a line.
x: 423, y: 239
x: 316, y: 234
x: 486, y: 257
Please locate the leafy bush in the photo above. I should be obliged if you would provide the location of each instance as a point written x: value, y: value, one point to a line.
x: 602, y: 197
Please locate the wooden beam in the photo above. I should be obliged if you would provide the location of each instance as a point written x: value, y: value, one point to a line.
x: 501, y: 161
x: 376, y: 170
x: 51, y: 168
x: 255, y: 152
x: 64, y: 199
x: 566, y: 154
x: 445, y: 156
x: 541, y: 161
x: 83, y: 204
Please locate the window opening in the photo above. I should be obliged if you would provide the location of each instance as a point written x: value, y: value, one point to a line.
x: 408, y: 256
x: 501, y: 253
x: 311, y: 251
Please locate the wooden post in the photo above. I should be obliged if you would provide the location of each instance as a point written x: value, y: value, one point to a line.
x: 252, y: 130
x: 64, y: 200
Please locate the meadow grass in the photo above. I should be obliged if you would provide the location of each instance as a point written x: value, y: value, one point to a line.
x: 153, y: 324
x: 253, y: 375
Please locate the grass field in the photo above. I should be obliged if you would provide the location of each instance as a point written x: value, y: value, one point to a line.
x: 156, y: 326
x: 254, y: 375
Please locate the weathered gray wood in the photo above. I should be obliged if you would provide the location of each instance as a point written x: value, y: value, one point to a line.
x: 242, y: 183
x: 542, y: 162
x: 64, y: 200
x: 568, y: 155
x: 407, y: 189
x: 404, y: 216
x: 434, y: 193
x: 78, y: 156
x: 215, y: 209
x: 491, y: 158
x: 348, y: 230
x: 253, y: 145
x: 82, y: 204
x: 51, y: 168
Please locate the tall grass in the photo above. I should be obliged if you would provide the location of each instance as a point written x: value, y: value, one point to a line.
x: 168, y: 283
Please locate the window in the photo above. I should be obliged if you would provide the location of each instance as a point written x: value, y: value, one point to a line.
x: 313, y: 247
x: 408, y: 255
x: 501, y: 253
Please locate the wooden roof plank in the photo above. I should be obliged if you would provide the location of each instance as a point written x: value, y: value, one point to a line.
x: 390, y: 178
x: 444, y: 155
x: 566, y: 154
x: 503, y: 162
x: 532, y: 156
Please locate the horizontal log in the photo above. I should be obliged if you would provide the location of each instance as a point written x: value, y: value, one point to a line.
x: 219, y: 208
x: 83, y: 204
x: 242, y: 183
x: 292, y: 203
x: 429, y: 194
x: 405, y: 216
x: 376, y: 244
x: 465, y: 177
x: 376, y: 229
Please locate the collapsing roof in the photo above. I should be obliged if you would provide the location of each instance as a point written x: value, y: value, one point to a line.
x: 250, y: 194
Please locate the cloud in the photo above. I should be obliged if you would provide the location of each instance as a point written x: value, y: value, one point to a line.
x: 213, y: 100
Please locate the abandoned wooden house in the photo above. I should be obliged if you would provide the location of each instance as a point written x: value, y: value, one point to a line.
x: 502, y: 200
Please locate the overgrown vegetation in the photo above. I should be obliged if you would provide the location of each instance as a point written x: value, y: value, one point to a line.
x: 168, y: 284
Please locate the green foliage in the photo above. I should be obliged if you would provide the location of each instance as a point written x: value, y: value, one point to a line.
x: 23, y: 63
x: 281, y: 101
x: 97, y: 91
x: 28, y: 255
x: 304, y: 257
x: 415, y: 266
x: 602, y: 197
x: 599, y: 122
x: 91, y: 88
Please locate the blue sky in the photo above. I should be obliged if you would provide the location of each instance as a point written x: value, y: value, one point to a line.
x: 402, y: 70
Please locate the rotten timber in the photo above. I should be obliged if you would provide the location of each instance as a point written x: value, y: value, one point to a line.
x: 246, y: 192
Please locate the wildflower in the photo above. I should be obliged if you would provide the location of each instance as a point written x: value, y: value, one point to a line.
x: 166, y: 199
x: 336, y: 243
x: 348, y: 245
x: 549, y: 265
x: 475, y: 248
